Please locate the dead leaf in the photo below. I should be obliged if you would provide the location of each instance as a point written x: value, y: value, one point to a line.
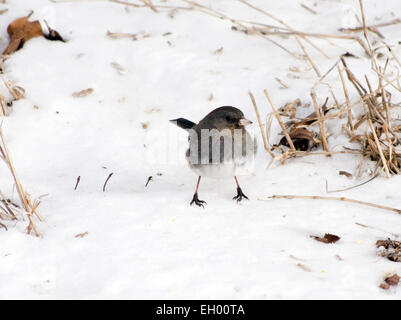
x: 384, y: 286
x: 82, y: 93
x: 312, y: 117
x: 392, y: 280
x: 328, y: 238
x: 289, y: 109
x: 20, y: 31
x: 81, y: 235
x: 302, y: 138
x: 390, y: 249
x: 219, y: 51
x: 304, y: 267
x: 345, y: 173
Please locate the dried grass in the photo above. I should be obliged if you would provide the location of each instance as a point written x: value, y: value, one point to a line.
x: 10, y: 210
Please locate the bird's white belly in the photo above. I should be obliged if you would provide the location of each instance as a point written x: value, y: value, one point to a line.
x: 242, y: 166
x: 220, y: 170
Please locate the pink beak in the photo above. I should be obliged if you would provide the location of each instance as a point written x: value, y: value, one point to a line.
x: 244, y: 122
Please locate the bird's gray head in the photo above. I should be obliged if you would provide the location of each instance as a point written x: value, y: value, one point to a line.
x: 226, y: 117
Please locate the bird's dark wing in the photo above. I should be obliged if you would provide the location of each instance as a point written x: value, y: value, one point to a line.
x: 183, y: 123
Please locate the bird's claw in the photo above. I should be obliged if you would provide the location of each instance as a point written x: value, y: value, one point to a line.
x: 198, y: 202
x: 240, y: 195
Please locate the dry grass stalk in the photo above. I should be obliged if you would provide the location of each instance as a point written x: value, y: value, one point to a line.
x: 372, y: 28
x: 3, y: 106
x: 318, y: 112
x: 349, y: 112
x: 335, y: 199
x: 29, y: 207
x: 277, y: 115
x: 379, y: 148
x: 16, y: 91
x: 284, y: 24
x: 149, y: 4
x: 313, y: 65
x: 285, y: 86
x: 308, y: 9
x: 265, y: 141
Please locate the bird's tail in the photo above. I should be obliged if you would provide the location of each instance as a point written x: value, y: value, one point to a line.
x: 183, y: 123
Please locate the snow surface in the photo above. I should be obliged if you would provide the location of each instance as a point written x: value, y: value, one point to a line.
x: 148, y: 243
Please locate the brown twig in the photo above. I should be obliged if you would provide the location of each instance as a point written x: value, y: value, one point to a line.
x: 307, y: 8
x: 277, y: 115
x: 78, y: 180
x: 379, y: 148
x: 318, y: 112
x: 264, y: 138
x: 107, y: 180
x: 336, y: 199
x: 25, y: 199
x: 349, y: 112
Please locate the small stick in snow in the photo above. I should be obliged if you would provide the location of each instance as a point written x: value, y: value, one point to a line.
x: 3, y: 226
x: 105, y: 183
x: 30, y: 209
x: 277, y: 115
x: 379, y: 148
x: 334, y: 198
x: 307, y: 8
x: 321, y: 122
x: 349, y: 113
x: 81, y: 235
x: 147, y: 182
x: 396, y: 235
x: 76, y: 185
x: 309, y: 58
x: 82, y: 93
x: 304, y: 267
x: 265, y: 142
x: 282, y: 83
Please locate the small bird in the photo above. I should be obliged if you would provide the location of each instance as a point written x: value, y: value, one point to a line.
x: 219, y: 147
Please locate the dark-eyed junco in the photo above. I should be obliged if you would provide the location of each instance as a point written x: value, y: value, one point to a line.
x: 219, y: 147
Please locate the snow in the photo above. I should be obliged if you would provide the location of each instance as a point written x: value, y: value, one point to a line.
x: 147, y: 242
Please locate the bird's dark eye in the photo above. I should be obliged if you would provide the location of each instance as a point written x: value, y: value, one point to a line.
x: 229, y: 119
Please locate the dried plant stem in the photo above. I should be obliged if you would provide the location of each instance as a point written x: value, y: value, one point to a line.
x: 22, y: 195
x: 277, y: 115
x: 281, y: 82
x: 349, y: 112
x: 379, y: 229
x: 3, y: 109
x: 336, y: 199
x: 318, y: 112
x: 265, y: 142
x: 107, y: 180
x: 371, y: 27
x: 149, y: 4
x: 379, y: 148
x: 313, y: 65
x: 308, y: 9
x: 284, y: 24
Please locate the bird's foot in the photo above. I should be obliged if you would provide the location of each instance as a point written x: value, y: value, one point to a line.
x: 198, y: 202
x: 240, y: 195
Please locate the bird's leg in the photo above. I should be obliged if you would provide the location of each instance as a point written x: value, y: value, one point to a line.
x: 240, y: 194
x: 195, y: 198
